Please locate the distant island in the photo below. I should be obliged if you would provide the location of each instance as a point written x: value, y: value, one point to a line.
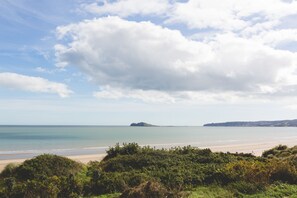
x: 142, y: 124
x: 277, y: 123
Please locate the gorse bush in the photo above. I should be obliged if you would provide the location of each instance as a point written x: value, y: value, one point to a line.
x: 126, y: 149
x: 249, y: 171
x: 47, y: 166
x: 147, y: 189
x: 138, y: 171
x: 276, y: 151
x: 284, y: 171
x: 43, y: 176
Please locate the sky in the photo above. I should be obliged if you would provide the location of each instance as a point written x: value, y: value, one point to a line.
x: 165, y: 62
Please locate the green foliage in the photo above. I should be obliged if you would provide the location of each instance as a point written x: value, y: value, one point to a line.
x: 147, y: 189
x: 48, y: 166
x: 138, y: 171
x: 248, y: 171
x: 211, y: 191
x: 113, y: 195
x: 43, y: 176
x: 276, y: 151
x: 278, y: 190
x: 9, y: 170
x: 243, y: 187
x: 126, y: 149
x: 284, y: 171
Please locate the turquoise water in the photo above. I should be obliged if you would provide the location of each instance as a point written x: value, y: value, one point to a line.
x: 28, y: 141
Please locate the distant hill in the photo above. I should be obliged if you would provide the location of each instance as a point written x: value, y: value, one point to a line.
x: 277, y: 123
x: 142, y: 124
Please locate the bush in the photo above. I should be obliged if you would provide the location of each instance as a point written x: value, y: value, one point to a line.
x: 276, y: 151
x: 148, y: 172
x: 103, y: 183
x: 248, y: 171
x: 126, y: 149
x: 146, y: 190
x: 9, y: 170
x: 243, y: 187
x: 47, y: 166
x: 283, y: 171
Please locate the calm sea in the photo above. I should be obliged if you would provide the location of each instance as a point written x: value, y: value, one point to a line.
x: 28, y: 141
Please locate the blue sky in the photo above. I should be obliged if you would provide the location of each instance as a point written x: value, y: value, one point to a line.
x: 166, y: 62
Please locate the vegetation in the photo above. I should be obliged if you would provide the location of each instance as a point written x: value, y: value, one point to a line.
x: 130, y: 171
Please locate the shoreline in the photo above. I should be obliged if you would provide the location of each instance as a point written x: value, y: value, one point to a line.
x: 79, y: 158
x: 254, y: 148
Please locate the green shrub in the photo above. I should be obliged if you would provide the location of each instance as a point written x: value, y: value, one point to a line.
x: 146, y: 190
x: 9, y: 170
x: 145, y: 171
x: 126, y: 149
x: 243, y: 187
x: 283, y: 171
x: 47, y: 166
x: 249, y: 171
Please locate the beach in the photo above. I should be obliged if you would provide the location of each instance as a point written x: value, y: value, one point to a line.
x: 79, y: 158
x: 85, y: 143
x: 254, y: 148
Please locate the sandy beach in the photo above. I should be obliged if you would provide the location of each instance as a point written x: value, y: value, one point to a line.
x: 254, y: 148
x: 79, y: 158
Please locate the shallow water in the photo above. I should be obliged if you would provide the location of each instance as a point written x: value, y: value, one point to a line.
x: 28, y: 141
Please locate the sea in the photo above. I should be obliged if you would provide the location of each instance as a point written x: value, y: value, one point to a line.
x: 18, y: 142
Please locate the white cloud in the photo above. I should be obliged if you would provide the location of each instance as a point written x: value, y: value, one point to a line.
x: 149, y: 96
x: 44, y: 70
x: 185, y: 97
x: 33, y: 84
x: 137, y: 55
x: 121, y: 53
x: 232, y: 14
x: 250, y: 16
x: 126, y: 8
x: 275, y: 38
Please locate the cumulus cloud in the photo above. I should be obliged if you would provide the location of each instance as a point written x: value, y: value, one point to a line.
x: 276, y: 38
x: 235, y: 49
x: 33, y: 84
x: 250, y: 16
x: 137, y: 55
x: 231, y: 14
x: 142, y: 55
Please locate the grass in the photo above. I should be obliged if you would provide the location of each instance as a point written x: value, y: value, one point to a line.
x: 277, y: 191
x: 274, y: 191
x: 114, y: 195
x: 210, y: 192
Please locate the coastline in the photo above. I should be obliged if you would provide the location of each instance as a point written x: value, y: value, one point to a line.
x: 254, y: 148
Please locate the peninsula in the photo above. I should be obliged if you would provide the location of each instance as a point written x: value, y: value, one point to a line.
x: 277, y: 123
